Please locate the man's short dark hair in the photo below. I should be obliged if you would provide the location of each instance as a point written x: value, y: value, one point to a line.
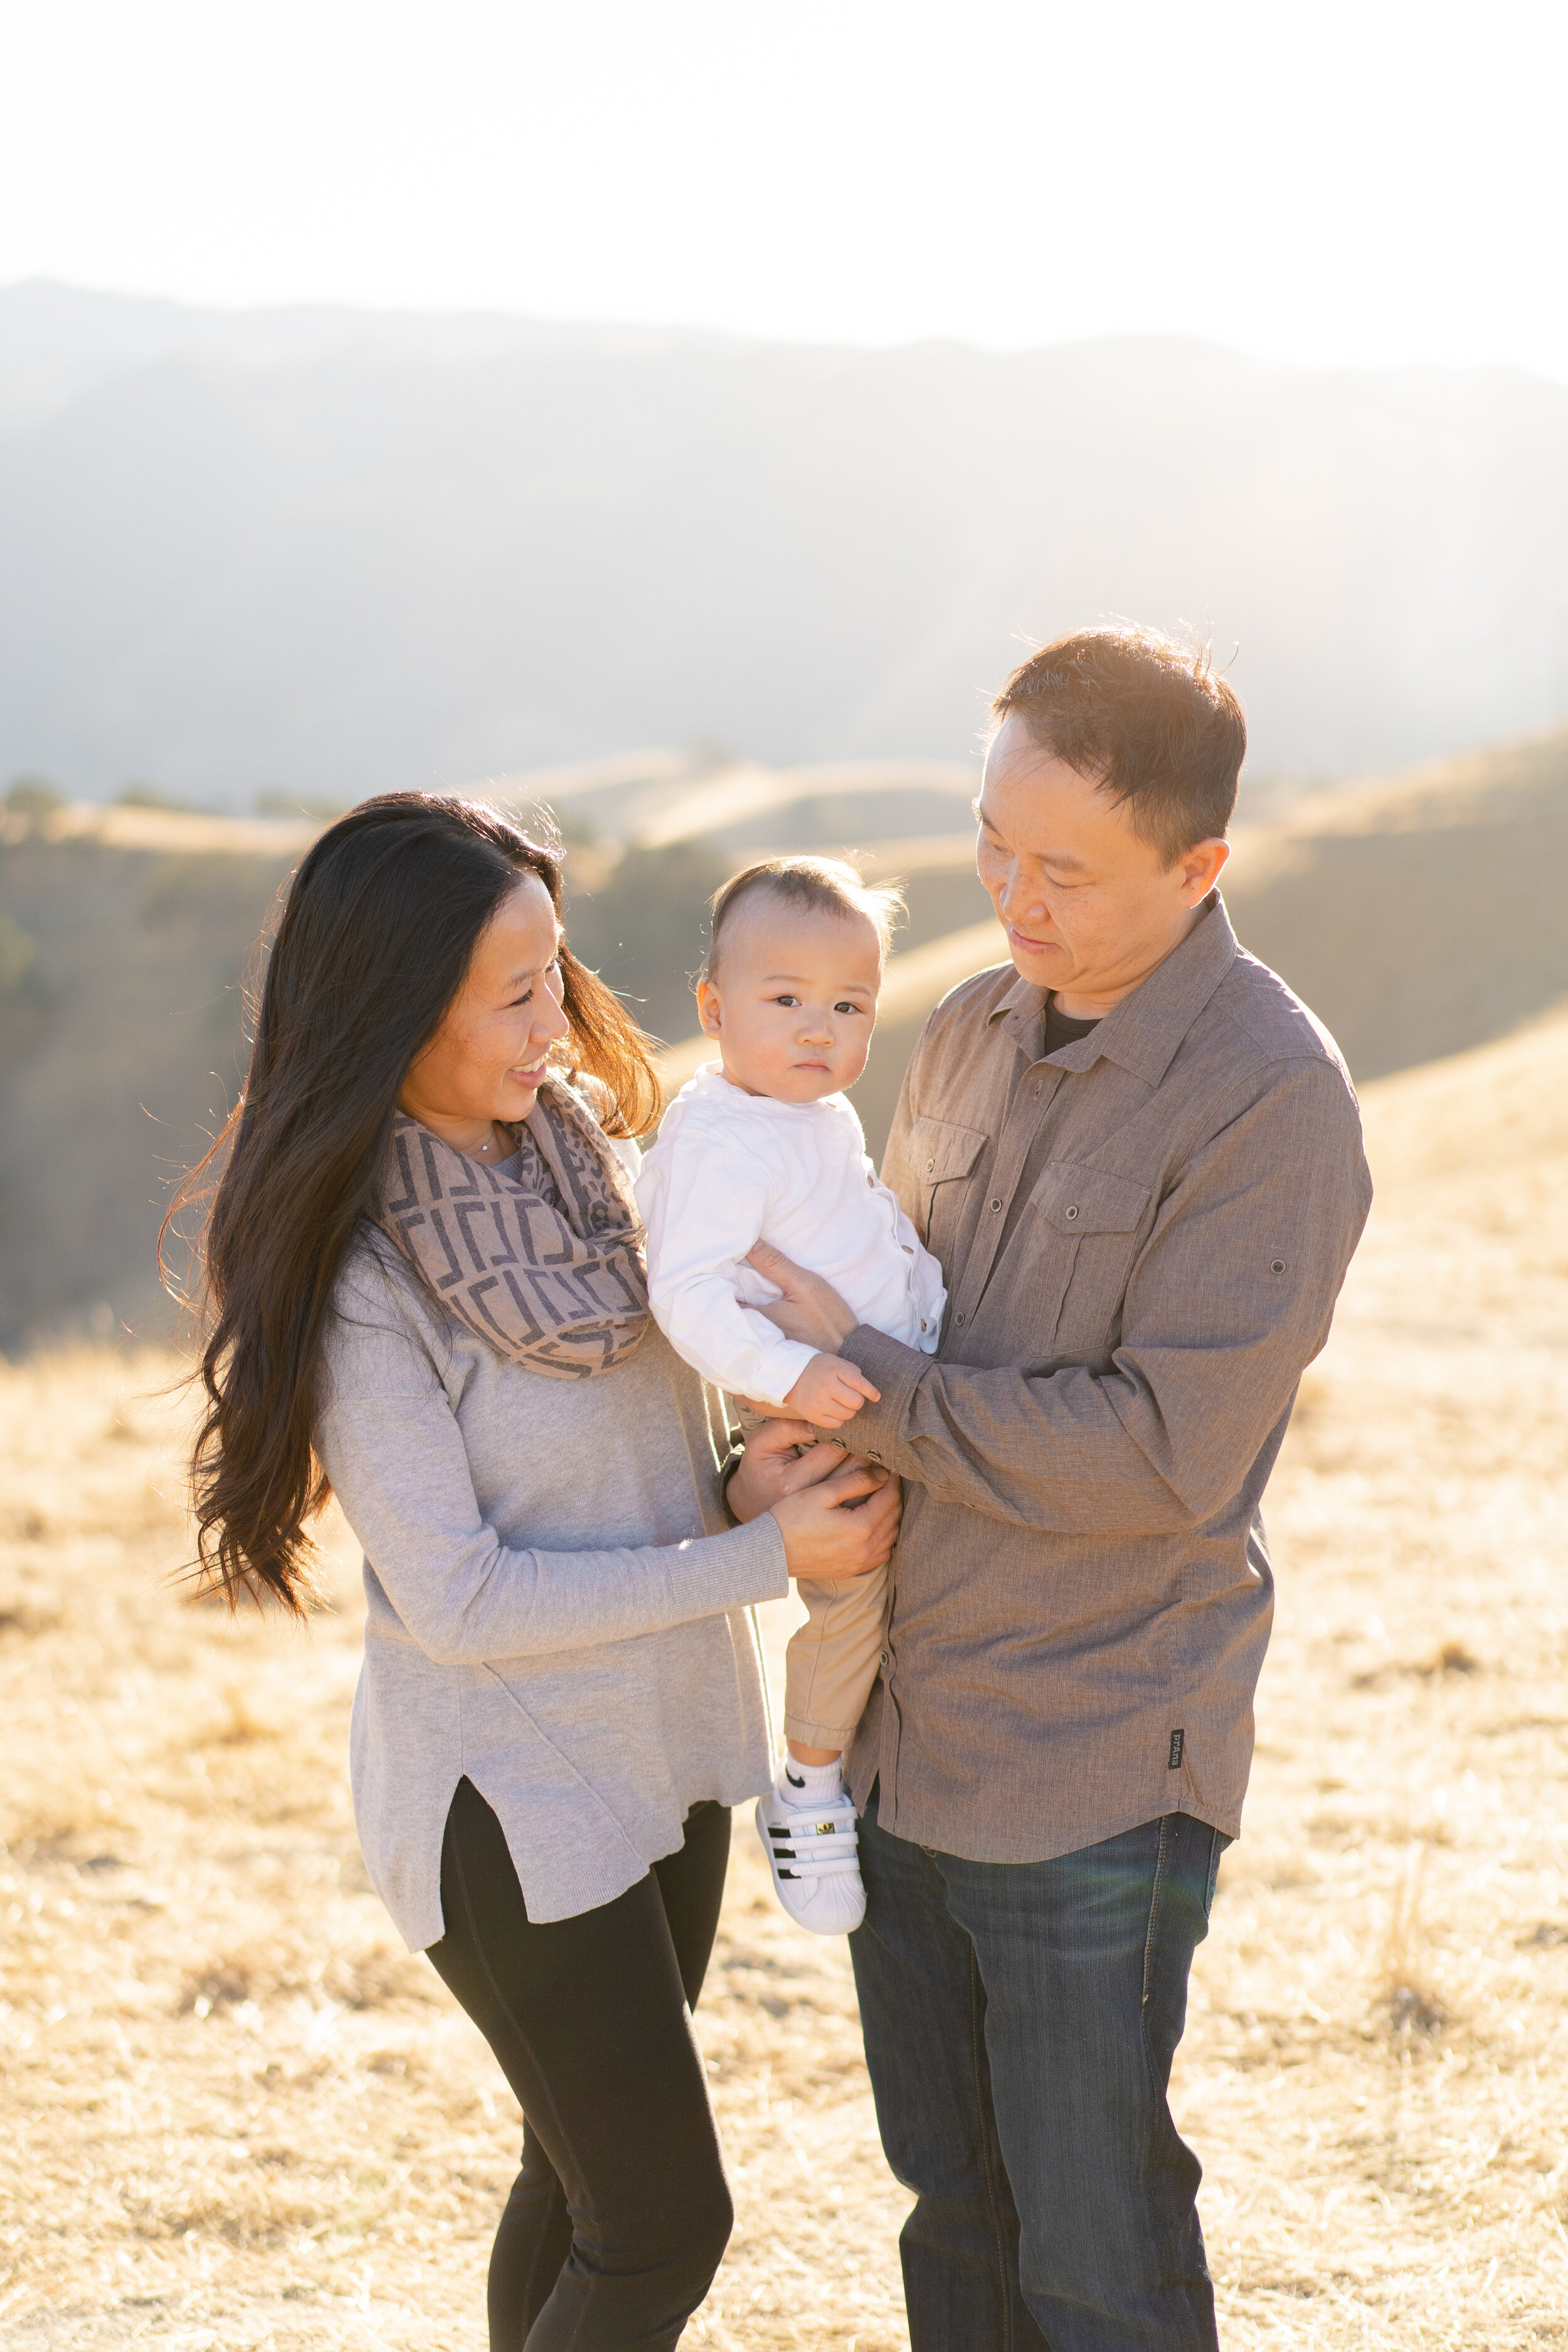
x: 1147, y: 718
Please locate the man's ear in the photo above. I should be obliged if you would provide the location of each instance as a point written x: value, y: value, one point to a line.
x: 1202, y: 866
x: 707, y: 1008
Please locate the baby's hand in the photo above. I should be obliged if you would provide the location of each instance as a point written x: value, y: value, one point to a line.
x: 830, y: 1391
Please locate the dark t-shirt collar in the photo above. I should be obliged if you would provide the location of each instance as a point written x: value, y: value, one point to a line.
x: 1062, y: 1029
x: 1144, y: 1032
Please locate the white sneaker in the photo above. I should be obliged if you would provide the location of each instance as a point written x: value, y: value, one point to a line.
x: 813, y: 1857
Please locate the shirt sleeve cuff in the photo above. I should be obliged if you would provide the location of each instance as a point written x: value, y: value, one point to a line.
x: 754, y: 1567
x: 781, y: 1367
x: 876, y: 1429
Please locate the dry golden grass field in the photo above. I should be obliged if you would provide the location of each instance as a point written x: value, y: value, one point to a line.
x: 237, y: 2115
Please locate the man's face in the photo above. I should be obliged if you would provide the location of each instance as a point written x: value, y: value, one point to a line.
x: 1089, y: 909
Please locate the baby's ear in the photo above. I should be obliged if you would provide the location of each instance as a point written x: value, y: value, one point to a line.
x: 707, y: 1008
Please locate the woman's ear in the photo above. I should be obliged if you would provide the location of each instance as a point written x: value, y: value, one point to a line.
x: 707, y: 1008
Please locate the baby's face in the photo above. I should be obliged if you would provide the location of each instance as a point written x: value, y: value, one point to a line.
x: 794, y: 1000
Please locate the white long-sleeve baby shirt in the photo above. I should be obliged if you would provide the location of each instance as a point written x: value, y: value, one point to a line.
x: 732, y: 1169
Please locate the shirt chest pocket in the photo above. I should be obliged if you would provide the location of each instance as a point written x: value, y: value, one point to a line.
x: 1080, y: 1239
x: 942, y: 1157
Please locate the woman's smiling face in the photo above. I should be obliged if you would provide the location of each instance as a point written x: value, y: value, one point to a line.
x: 487, y: 1061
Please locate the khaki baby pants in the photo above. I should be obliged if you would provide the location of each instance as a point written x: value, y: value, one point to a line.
x: 832, y: 1660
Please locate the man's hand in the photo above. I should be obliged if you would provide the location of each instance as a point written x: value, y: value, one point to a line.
x: 823, y: 1538
x: 781, y: 1458
x: 830, y: 1391
x: 810, y: 1309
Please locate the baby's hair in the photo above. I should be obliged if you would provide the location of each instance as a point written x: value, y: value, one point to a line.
x: 818, y: 886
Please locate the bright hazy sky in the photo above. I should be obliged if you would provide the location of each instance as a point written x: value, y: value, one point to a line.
x: 1322, y: 183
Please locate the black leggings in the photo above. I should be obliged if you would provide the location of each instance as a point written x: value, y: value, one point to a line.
x: 617, y: 2219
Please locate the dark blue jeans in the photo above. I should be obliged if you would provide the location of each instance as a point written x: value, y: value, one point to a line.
x: 1020, y: 2021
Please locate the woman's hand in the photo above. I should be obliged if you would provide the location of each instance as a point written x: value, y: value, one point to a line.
x: 773, y: 1467
x: 810, y: 1309
x: 822, y: 1538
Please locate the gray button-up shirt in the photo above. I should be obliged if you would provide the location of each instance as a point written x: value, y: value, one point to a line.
x: 1143, y: 1236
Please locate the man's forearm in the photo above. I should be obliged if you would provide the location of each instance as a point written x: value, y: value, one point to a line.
x: 1049, y: 1452
x: 1162, y: 1432
x: 1075, y: 1451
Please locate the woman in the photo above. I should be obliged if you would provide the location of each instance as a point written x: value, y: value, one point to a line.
x: 429, y: 1300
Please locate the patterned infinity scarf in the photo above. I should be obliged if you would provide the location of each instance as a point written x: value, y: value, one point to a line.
x: 545, y: 1267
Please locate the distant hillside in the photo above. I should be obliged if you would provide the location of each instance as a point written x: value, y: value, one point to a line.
x: 1421, y: 916
x: 125, y: 934
x: 1418, y: 915
x: 119, y: 1044
x: 327, y: 551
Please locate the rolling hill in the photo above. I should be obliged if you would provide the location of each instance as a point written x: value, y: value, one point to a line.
x: 1419, y: 914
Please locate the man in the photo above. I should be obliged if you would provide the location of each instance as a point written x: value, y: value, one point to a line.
x: 1138, y: 1158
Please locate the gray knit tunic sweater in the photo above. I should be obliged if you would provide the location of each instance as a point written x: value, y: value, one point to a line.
x: 556, y: 1606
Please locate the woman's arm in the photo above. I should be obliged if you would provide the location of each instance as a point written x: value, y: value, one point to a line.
x: 400, y: 1471
x: 391, y: 1446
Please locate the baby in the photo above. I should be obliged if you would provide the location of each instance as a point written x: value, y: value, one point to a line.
x: 762, y: 1146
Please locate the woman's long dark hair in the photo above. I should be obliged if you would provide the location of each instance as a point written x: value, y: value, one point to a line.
x: 376, y: 937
